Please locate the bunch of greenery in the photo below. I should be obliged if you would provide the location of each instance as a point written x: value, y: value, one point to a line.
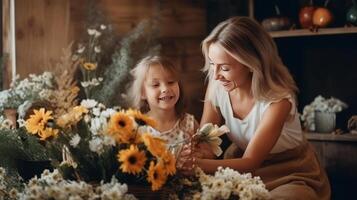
x: 116, y: 59
x: 16, y: 148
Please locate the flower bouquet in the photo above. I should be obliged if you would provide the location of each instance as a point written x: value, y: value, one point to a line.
x: 52, y: 185
x: 97, y: 143
x: 226, y: 183
x: 29, y: 89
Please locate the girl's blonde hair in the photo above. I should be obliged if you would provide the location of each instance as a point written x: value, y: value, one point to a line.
x: 245, y: 40
x: 139, y: 75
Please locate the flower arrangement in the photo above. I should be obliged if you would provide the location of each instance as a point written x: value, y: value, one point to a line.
x: 25, y: 91
x: 52, y: 185
x: 89, y: 56
x: 226, y: 183
x: 98, y: 143
x: 321, y: 104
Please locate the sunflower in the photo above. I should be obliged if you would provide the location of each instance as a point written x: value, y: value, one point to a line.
x: 141, y: 119
x: 168, y: 161
x: 36, y: 123
x: 47, y: 133
x: 121, y: 127
x: 90, y: 66
x: 155, y: 145
x: 156, y: 176
x: 132, y: 160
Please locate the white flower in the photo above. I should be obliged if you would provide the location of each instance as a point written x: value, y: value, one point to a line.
x: 97, y: 49
x: 97, y: 33
x: 21, y: 122
x: 109, y: 141
x: 2, y: 172
x: 75, y: 140
x: 81, y: 49
x: 89, y: 103
x: 96, y: 111
x: 107, y: 113
x: 91, y: 31
x: 96, y: 145
x: 210, y: 133
x: 85, y: 84
x: 7, y: 124
x: 103, y: 27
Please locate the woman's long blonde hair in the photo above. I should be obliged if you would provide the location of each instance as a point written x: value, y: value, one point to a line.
x: 251, y: 45
x: 139, y: 74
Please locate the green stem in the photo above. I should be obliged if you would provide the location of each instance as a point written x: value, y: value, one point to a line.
x: 326, y: 2
x: 277, y: 10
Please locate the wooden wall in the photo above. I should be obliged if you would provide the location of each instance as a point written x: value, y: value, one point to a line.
x: 45, y: 27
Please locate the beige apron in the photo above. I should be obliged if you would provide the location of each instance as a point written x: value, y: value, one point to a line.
x: 292, y: 174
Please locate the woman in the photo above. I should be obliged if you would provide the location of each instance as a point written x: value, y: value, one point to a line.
x: 253, y: 93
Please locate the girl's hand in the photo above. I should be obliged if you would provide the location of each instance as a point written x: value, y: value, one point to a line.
x: 205, y: 150
x: 188, y: 167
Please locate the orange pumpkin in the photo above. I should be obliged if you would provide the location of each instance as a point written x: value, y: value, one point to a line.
x: 322, y: 17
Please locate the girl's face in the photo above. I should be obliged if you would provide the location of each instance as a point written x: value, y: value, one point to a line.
x: 161, y: 89
x: 227, y: 70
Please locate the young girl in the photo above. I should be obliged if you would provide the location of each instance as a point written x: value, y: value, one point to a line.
x: 253, y: 93
x: 157, y: 91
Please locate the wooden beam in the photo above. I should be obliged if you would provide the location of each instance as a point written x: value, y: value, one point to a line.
x: 7, y: 41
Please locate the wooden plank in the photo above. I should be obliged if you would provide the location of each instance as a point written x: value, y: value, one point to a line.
x: 177, y: 19
x: 6, y: 41
x: 42, y: 32
x: 348, y: 137
x: 307, y: 32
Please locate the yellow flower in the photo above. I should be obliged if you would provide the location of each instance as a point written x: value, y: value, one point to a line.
x: 37, y: 122
x: 72, y: 117
x: 156, y: 176
x: 132, y: 160
x: 168, y: 162
x: 155, y: 145
x: 90, y: 66
x: 47, y: 133
x: 121, y: 127
x: 140, y: 118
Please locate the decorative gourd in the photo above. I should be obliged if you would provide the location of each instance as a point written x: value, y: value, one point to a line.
x: 351, y: 16
x: 276, y: 23
x: 322, y: 16
x: 305, y: 15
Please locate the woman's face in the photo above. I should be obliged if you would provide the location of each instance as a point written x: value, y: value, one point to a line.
x: 161, y: 89
x: 227, y: 70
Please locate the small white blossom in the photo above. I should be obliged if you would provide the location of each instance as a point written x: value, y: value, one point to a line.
x: 97, y: 49
x: 103, y: 27
x: 91, y: 31
x: 75, y: 140
x: 96, y: 145
x: 89, y: 103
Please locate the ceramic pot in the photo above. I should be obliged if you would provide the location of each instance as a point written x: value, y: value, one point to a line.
x: 325, y: 122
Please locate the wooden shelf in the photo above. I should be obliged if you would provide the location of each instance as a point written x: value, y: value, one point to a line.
x: 307, y: 32
x: 347, y: 137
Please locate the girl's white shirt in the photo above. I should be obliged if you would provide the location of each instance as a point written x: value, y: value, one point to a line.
x: 243, y: 130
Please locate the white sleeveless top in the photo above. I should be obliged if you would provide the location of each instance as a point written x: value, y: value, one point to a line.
x: 242, y: 131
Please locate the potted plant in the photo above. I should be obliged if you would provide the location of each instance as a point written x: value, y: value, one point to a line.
x: 320, y: 115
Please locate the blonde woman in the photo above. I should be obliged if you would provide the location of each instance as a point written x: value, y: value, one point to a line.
x: 252, y: 92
